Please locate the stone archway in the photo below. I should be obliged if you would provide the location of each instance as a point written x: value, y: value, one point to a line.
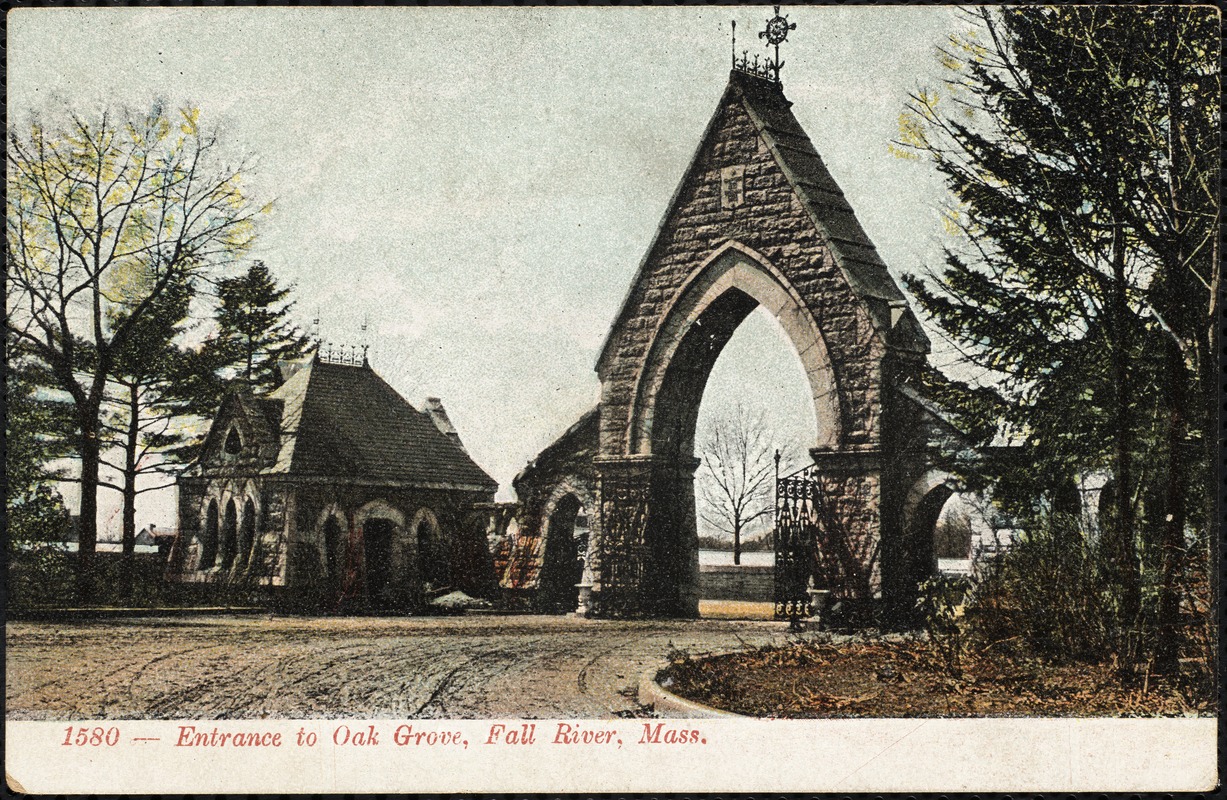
x: 208, y: 544
x: 562, y: 559
x: 921, y: 510
x: 228, y: 548
x: 791, y: 244
x: 711, y: 305
x: 248, y: 555
x: 380, y: 555
x: 433, y: 561
x: 709, y: 308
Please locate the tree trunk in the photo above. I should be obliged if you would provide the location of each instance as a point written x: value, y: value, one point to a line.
x: 1180, y: 396
x: 1173, y: 549
x: 737, y: 545
x: 1124, y: 551
x: 87, y: 523
x: 131, y: 443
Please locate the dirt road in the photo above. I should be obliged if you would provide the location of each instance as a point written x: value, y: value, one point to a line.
x: 250, y: 667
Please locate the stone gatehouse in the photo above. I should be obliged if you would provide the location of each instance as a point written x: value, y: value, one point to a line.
x: 338, y: 492
x: 757, y: 220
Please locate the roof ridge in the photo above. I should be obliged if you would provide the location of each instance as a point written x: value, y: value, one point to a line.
x: 855, y: 255
x: 351, y: 415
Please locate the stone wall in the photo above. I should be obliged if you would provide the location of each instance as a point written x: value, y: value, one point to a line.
x: 775, y: 225
x: 462, y: 542
x: 721, y: 582
x: 288, y: 547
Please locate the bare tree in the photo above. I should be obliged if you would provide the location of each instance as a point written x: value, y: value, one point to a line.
x: 735, y: 481
x: 105, y: 213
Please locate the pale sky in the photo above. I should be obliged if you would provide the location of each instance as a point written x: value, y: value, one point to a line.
x: 483, y: 183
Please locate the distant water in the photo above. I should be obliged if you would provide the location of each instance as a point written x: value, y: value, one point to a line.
x: 101, y: 547
x: 725, y: 558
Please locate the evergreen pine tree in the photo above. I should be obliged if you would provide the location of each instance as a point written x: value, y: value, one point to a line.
x: 255, y: 330
x: 1079, y: 145
x: 37, y: 430
x: 148, y: 420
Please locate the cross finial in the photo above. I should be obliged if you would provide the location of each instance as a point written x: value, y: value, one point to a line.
x: 775, y: 34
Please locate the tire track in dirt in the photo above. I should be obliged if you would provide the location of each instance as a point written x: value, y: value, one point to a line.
x: 400, y: 668
x: 477, y: 683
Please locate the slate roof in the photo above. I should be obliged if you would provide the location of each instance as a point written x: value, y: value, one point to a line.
x: 346, y: 422
x: 795, y: 153
x: 577, y: 443
x: 833, y: 216
x: 940, y: 424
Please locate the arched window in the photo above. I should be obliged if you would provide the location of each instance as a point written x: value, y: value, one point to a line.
x: 208, y: 548
x: 247, y: 532
x: 230, y: 527
x: 563, y: 565
x: 234, y: 444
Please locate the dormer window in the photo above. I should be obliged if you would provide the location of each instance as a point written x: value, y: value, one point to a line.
x: 233, y: 445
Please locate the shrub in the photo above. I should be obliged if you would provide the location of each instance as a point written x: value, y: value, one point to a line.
x: 940, y: 603
x: 40, y: 576
x: 1050, y: 595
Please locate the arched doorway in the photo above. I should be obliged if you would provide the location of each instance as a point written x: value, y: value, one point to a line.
x: 921, y: 534
x: 434, y: 566
x: 247, y: 533
x: 229, y: 542
x: 208, y: 545
x: 756, y: 401
x: 922, y: 508
x: 334, y: 555
x: 562, y: 565
x: 377, y: 534
x: 708, y: 311
x: 947, y: 531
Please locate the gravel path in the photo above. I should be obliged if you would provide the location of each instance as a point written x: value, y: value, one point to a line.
x: 249, y: 667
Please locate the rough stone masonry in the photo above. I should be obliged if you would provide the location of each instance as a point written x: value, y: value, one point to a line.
x: 757, y: 220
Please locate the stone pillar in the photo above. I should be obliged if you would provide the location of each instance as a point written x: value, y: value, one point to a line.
x: 673, y: 539
x: 623, y: 489
x: 647, y: 560
x: 867, y: 489
x: 852, y: 485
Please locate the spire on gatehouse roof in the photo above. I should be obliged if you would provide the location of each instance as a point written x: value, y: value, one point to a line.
x: 776, y: 33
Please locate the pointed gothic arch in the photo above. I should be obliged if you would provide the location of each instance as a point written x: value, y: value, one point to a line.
x: 715, y: 299
x: 792, y: 245
x: 563, y: 557
x: 247, y: 534
x: 208, y: 544
x: 228, y: 547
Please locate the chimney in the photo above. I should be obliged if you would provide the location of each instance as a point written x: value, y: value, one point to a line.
x: 438, y: 415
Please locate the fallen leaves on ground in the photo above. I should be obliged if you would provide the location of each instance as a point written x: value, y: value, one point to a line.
x: 881, y: 678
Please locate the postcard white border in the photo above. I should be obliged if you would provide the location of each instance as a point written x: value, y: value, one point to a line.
x: 897, y: 755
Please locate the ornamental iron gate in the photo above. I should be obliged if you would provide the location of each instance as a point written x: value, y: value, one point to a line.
x: 624, y: 511
x: 799, y: 510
